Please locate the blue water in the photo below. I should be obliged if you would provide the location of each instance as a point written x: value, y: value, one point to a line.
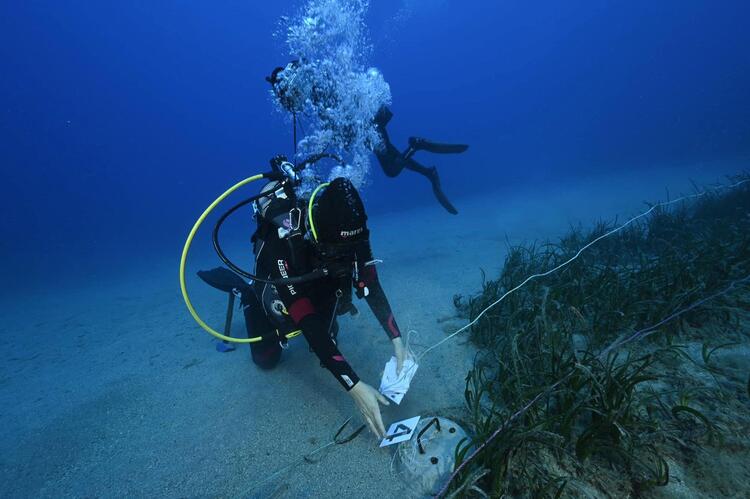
x: 120, y: 121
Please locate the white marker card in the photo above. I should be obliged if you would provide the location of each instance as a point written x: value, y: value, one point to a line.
x: 400, y: 431
x: 395, y: 386
x: 395, y: 397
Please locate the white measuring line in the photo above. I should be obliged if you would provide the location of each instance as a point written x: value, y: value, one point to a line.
x: 573, y: 258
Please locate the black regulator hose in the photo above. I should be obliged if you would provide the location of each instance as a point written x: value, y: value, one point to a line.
x: 278, y: 175
x: 315, y: 274
x: 215, y: 238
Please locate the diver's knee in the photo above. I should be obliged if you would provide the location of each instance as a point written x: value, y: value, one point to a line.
x: 392, y: 168
x: 266, y: 358
x: 266, y: 365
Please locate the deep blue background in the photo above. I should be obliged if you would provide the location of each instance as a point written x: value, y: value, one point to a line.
x: 120, y: 121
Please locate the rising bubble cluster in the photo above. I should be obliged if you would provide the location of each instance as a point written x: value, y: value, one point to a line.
x: 330, y: 87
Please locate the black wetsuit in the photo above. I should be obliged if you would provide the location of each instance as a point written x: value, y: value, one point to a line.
x: 393, y: 161
x: 311, y: 306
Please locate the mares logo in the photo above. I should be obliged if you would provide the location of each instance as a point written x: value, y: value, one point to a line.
x: 350, y: 233
x: 285, y: 275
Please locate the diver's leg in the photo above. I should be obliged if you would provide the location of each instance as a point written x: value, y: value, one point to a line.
x: 390, y: 161
x: 389, y: 157
x: 265, y: 353
x: 422, y: 170
x: 432, y: 174
x: 383, y: 116
x: 420, y: 144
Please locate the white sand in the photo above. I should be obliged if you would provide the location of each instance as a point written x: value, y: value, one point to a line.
x: 114, y: 391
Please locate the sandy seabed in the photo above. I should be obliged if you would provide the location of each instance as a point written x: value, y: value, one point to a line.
x: 114, y: 391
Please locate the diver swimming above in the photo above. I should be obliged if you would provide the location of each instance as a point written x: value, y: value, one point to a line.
x: 393, y: 162
x: 294, y: 237
x: 300, y: 89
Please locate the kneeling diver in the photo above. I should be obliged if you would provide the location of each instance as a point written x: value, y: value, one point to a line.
x: 293, y: 238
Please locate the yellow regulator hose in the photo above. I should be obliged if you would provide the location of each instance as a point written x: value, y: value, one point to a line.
x: 183, y: 260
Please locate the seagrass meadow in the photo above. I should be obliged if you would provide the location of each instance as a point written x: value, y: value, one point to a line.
x: 624, y: 374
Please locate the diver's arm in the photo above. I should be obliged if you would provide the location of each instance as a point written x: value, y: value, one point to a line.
x: 315, y: 329
x: 370, y: 287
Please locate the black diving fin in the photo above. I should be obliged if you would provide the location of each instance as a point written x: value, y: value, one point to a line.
x: 439, y: 194
x: 420, y: 144
x: 223, y: 279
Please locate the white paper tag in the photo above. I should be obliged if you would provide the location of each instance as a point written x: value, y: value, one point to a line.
x: 400, y: 431
x: 395, y: 386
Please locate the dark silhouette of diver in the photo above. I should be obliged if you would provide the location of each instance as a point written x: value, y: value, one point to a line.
x: 391, y: 160
x: 394, y: 162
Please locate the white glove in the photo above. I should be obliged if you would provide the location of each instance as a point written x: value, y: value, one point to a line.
x: 367, y: 398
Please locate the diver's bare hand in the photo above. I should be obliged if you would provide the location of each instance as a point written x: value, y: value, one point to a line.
x: 399, y: 351
x: 367, y: 398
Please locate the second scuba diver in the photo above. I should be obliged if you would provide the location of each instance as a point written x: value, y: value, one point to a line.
x: 295, y: 237
x: 283, y: 84
x: 393, y: 161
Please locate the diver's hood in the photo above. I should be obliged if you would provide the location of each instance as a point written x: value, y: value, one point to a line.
x: 337, y: 214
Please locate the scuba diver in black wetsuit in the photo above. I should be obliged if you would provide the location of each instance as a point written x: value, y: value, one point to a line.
x: 293, y: 238
x: 393, y: 161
